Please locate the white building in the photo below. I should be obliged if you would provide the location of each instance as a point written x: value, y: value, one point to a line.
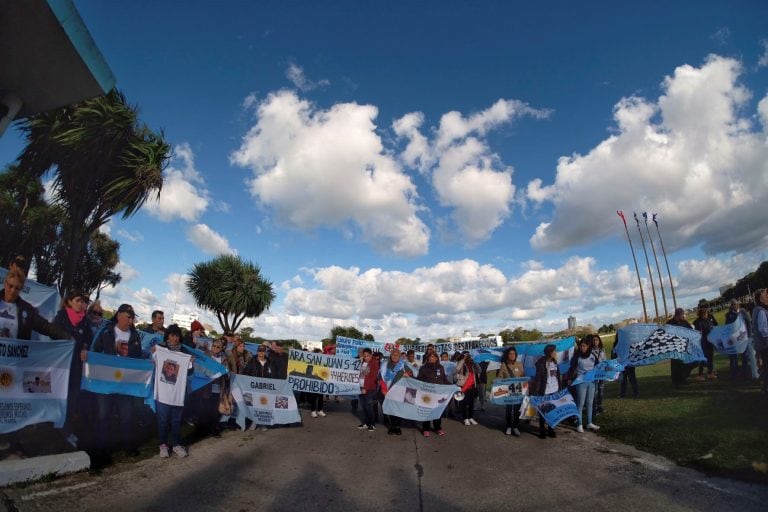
x: 312, y: 345
x: 183, y: 321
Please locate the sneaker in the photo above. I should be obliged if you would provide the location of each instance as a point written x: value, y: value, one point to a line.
x: 509, y: 431
x: 580, y: 429
x: 472, y: 421
x: 264, y: 428
x: 72, y: 440
x: 180, y: 451
x: 314, y: 414
x: 371, y: 428
x: 321, y: 414
x: 361, y: 426
x: 515, y: 432
x: 441, y: 433
x: 425, y: 433
x: 592, y: 426
x: 164, y: 451
x: 467, y: 423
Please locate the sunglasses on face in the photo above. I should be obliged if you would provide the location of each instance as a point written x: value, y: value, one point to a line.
x: 97, y: 313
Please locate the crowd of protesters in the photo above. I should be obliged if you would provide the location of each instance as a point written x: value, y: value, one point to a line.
x: 205, y: 408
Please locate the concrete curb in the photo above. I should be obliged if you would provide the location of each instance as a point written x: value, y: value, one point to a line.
x: 35, y: 468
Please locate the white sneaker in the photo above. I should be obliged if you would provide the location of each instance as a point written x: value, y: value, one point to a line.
x: 467, y: 423
x: 164, y: 451
x: 314, y: 414
x: 515, y: 432
x: 580, y: 429
x: 180, y: 451
x: 594, y: 427
x: 472, y: 421
x: 509, y: 431
x: 321, y: 414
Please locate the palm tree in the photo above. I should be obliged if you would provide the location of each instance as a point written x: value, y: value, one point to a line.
x: 232, y: 288
x: 104, y: 162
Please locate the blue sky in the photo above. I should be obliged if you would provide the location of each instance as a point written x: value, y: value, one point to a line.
x: 423, y: 168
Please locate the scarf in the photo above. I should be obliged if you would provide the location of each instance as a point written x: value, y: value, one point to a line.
x: 388, y: 371
x: 74, y: 317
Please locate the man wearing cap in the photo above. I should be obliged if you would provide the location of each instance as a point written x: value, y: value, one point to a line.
x: 122, y: 339
x: 748, y: 356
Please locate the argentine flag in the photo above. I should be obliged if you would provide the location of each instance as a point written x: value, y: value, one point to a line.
x: 206, y: 369
x: 107, y: 375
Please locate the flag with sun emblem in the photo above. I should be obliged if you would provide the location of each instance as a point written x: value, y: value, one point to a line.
x: 264, y: 401
x: 114, y: 375
x: 34, y: 376
x: 413, y: 399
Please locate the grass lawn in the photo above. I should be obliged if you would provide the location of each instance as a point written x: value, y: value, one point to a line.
x: 717, y: 426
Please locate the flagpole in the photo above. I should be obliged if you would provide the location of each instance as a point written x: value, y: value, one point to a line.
x: 648, y: 262
x: 658, y: 268
x: 637, y: 270
x: 671, y: 285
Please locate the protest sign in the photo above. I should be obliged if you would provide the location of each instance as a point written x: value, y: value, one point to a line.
x: 730, y: 338
x: 644, y: 344
x: 34, y: 378
x: 264, y: 401
x: 321, y: 373
x: 509, y: 391
x: 349, y: 347
x: 412, y: 399
x: 555, y: 407
x: 605, y: 370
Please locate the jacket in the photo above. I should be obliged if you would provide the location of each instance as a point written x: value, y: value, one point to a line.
x: 511, y: 372
x: 760, y: 319
x: 256, y: 368
x: 30, y: 320
x: 704, y: 325
x: 279, y: 364
x: 432, y: 373
x: 105, y: 342
x: 371, y: 378
x: 81, y: 333
x: 540, y: 379
x: 462, y: 375
x: 237, y: 364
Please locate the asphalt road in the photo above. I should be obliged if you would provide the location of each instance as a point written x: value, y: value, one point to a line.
x: 329, y: 465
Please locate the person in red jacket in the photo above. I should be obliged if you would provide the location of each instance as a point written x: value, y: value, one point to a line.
x: 369, y: 379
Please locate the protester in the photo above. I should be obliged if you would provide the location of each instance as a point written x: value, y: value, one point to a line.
x: 467, y: 377
x: 239, y: 358
x: 316, y: 399
x: 209, y: 411
x: 379, y: 401
x: 445, y: 356
x: 679, y: 370
x: 599, y: 351
x: 482, y: 384
x: 410, y: 357
x: 760, y: 333
x: 279, y: 360
x: 95, y: 315
x: 433, y: 372
x: 583, y: 361
x: 119, y: 338
x: 169, y: 414
x: 391, y: 372
x: 748, y: 360
x: 369, y: 372
x: 547, y: 380
x: 157, y: 326
x: 704, y: 323
x: 192, y: 338
x: 18, y: 318
x: 72, y: 319
x: 511, y: 368
x: 261, y: 367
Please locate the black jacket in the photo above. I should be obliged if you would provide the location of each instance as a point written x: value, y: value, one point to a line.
x: 81, y: 333
x: 540, y: 379
x: 432, y: 373
x: 105, y: 342
x: 30, y: 320
x: 279, y: 363
x: 255, y: 368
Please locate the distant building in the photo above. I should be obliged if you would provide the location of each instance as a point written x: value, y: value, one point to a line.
x: 571, y: 323
x: 184, y: 321
x: 312, y: 345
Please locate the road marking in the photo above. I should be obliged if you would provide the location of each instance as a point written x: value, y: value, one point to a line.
x: 41, y: 494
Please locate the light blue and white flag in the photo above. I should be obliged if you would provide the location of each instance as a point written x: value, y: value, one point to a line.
x: 313, y: 372
x: 509, y: 391
x: 206, y: 369
x: 349, y: 347
x: 264, y: 401
x: 149, y: 340
x: 605, y: 370
x: 529, y: 353
x: 43, y: 297
x: 644, y: 344
x: 453, y: 346
x: 412, y: 399
x: 114, y: 375
x: 730, y: 338
x: 34, y: 379
x: 555, y: 407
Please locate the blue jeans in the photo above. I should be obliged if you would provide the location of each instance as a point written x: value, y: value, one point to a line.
x: 366, y: 404
x: 165, y: 414
x: 585, y: 392
x: 124, y: 405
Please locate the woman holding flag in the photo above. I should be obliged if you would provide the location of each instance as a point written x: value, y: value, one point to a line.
x: 511, y: 368
x: 546, y: 381
x: 583, y: 361
x: 432, y: 371
x: 389, y: 373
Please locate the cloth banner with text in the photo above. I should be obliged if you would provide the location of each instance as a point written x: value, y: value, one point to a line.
x: 264, y: 401
x: 413, y: 399
x: 313, y: 372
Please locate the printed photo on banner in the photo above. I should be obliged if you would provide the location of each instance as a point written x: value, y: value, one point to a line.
x: 555, y: 407
x: 415, y: 400
x: 37, y: 382
x: 509, y: 391
x: 264, y: 401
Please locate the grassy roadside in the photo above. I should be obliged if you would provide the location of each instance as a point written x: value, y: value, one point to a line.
x: 717, y: 426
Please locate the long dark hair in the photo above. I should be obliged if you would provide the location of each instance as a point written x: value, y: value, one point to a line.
x: 586, y: 340
x: 505, y: 354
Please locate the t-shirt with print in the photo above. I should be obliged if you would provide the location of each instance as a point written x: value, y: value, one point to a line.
x: 9, y: 324
x: 552, y: 384
x: 121, y: 341
x: 171, y: 376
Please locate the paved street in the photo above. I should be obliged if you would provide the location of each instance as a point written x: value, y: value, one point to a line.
x: 329, y: 465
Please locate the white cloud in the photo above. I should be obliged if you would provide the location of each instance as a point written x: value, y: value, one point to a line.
x: 145, y: 296
x: 106, y: 228
x: 328, y: 168
x: 295, y: 74
x: 208, y: 240
x: 184, y: 195
x: 126, y: 271
x: 762, y: 61
x: 467, y: 176
x: 131, y: 237
x: 690, y: 156
x: 222, y: 206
